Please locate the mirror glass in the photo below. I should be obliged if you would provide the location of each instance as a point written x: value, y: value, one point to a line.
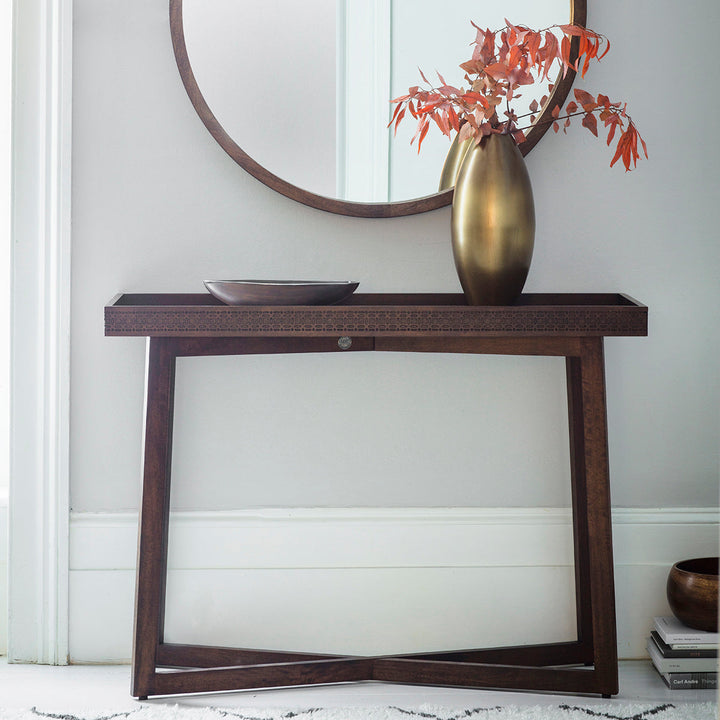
x: 304, y: 87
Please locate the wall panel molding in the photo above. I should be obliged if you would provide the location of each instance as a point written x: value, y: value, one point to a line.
x: 40, y: 363
x: 480, y: 573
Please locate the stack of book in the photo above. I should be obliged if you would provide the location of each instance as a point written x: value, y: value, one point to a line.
x: 684, y: 657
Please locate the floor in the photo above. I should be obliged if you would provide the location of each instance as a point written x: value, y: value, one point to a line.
x: 77, y: 688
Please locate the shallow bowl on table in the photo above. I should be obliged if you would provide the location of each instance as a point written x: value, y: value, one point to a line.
x: 692, y: 592
x: 280, y: 292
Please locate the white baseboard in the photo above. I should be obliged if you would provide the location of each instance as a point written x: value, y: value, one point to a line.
x: 368, y: 580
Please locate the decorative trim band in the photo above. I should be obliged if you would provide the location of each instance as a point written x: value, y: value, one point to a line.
x: 387, y: 537
x: 377, y: 316
x: 291, y: 578
x: 494, y: 515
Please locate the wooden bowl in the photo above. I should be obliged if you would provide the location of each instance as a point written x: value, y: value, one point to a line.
x: 692, y: 591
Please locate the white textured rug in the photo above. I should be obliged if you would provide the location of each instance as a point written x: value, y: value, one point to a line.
x: 569, y: 711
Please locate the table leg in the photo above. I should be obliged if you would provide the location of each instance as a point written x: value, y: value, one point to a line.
x: 154, y: 514
x: 583, y: 606
x: 595, y: 594
x: 520, y: 667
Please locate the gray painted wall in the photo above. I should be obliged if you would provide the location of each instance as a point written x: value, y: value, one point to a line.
x: 158, y: 206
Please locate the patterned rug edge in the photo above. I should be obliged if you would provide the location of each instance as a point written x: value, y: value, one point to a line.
x: 566, y: 711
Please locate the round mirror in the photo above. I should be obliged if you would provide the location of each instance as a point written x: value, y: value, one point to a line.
x: 298, y: 92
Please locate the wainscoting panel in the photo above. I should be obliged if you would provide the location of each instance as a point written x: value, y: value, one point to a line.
x: 371, y: 580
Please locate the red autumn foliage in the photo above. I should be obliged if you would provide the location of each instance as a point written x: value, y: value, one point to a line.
x: 502, y: 62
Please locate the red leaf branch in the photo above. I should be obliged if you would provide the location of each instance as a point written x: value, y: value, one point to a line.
x: 504, y: 61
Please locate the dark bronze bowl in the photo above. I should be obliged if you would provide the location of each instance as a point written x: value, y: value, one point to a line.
x: 692, y: 591
x: 280, y: 292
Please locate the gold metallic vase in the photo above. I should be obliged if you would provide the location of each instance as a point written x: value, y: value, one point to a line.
x: 493, y: 222
x: 453, y: 163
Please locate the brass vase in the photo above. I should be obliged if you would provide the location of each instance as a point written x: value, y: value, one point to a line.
x: 453, y: 163
x: 493, y: 222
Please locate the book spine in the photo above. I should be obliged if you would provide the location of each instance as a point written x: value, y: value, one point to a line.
x: 692, y: 665
x: 679, y: 665
x: 690, y: 681
x: 684, y: 640
x: 671, y: 652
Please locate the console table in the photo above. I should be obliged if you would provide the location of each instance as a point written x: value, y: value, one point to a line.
x: 566, y: 325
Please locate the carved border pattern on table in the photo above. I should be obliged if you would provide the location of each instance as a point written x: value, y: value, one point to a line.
x: 373, y: 321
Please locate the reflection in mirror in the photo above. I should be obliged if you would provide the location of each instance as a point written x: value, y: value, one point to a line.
x: 304, y: 88
x: 268, y: 84
x: 439, y: 40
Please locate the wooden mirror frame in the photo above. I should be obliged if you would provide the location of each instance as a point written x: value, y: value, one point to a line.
x: 578, y: 16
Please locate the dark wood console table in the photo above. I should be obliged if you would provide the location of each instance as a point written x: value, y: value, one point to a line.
x: 570, y: 326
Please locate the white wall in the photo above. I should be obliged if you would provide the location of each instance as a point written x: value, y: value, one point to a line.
x: 3, y: 573
x: 5, y: 85
x: 158, y: 206
x: 5, y: 90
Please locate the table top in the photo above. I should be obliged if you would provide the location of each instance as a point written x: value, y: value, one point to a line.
x: 397, y: 315
x: 375, y: 315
